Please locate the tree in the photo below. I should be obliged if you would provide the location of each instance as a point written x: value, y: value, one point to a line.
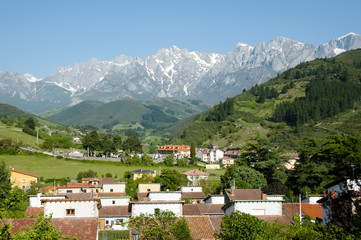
x: 147, y: 160
x: 91, y: 141
x: 169, y: 160
x: 171, y: 179
x: 240, y: 225
x: 29, y: 126
x: 275, y: 188
x: 118, y: 142
x: 5, y: 185
x: 244, y: 177
x: 182, y: 162
x: 107, y: 145
x: 86, y: 174
x: 193, y: 149
x: 163, y: 225
x: 132, y: 144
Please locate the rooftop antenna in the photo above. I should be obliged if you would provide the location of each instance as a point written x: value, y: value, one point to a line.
x: 353, y: 169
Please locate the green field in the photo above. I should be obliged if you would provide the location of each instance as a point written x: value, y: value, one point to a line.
x: 51, y: 167
x: 16, y: 134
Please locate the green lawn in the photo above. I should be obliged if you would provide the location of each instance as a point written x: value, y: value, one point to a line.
x: 51, y: 167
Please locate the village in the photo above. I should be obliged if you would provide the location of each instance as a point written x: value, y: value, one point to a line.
x: 86, y: 209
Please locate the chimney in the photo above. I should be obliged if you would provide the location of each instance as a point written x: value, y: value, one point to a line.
x: 221, y: 193
x: 264, y: 196
x: 232, y: 191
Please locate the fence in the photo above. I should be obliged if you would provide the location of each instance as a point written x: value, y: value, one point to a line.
x: 113, y: 235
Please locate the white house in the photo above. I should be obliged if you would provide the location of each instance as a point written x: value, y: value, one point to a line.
x: 114, y: 187
x: 313, y: 198
x: 165, y: 196
x: 35, y: 200
x: 195, y: 176
x: 209, y: 155
x: 251, y: 201
x: 342, y: 193
x: 214, y: 199
x: 154, y: 207
x: 79, y: 208
x: 114, y: 201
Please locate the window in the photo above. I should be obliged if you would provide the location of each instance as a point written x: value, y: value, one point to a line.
x: 70, y: 212
x: 69, y: 191
x: 111, y: 190
x: 118, y: 221
x: 113, y: 201
x: 97, y: 190
x: 148, y: 190
x: 23, y: 180
x: 156, y: 211
x: 106, y: 222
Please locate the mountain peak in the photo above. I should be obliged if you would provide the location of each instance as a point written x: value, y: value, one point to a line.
x: 348, y: 34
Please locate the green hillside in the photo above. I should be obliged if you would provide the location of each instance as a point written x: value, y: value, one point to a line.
x: 314, y: 99
x: 129, y: 113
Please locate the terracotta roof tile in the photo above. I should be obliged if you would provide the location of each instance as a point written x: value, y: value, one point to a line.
x: 313, y: 210
x: 195, y: 172
x: 191, y: 209
x: 210, y: 209
x: 108, y: 181
x: 111, y: 194
x: 200, y: 227
x: 26, y: 173
x: 142, y: 196
x: 193, y: 195
x: 32, y: 212
x: 114, y: 211
x: 244, y: 194
x: 83, y: 228
x: 216, y: 222
x: 79, y: 195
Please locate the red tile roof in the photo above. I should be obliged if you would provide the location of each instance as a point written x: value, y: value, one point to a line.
x: 191, y: 209
x: 142, y: 196
x: 32, y: 212
x: 114, y: 211
x: 195, y: 172
x: 292, y: 209
x: 111, y: 194
x: 83, y: 228
x: 174, y: 148
x: 200, y: 227
x: 193, y: 195
x: 244, y: 194
x: 216, y: 222
x: 211, y: 209
x: 26, y: 173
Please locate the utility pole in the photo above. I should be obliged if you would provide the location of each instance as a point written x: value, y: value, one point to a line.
x: 299, y: 198
x: 37, y: 136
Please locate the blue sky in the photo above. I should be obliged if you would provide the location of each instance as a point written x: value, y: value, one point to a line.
x: 39, y: 36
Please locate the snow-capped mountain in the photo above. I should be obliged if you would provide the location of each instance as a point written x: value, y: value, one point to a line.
x: 171, y: 72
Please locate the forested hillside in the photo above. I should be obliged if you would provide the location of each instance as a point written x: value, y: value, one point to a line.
x: 314, y: 99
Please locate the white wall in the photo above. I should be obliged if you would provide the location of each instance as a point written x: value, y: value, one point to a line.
x: 191, y: 189
x: 153, y: 187
x: 35, y: 201
x: 120, y: 201
x: 82, y: 208
x: 164, y: 196
x: 275, y: 197
x: 117, y: 187
x: 256, y: 207
x: 149, y: 208
x: 64, y: 190
x: 215, y: 200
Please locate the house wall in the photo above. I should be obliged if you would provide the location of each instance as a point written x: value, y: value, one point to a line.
x: 191, y: 189
x: 149, y: 208
x: 123, y: 201
x: 216, y: 200
x: 275, y: 197
x: 117, y: 187
x: 64, y: 190
x: 115, y: 223
x: 259, y: 207
x: 153, y: 187
x: 311, y: 199
x: 21, y: 180
x: 164, y: 196
x: 35, y: 201
x: 139, y: 175
x: 218, y: 155
x: 213, y: 166
x: 82, y: 209
x: 229, y: 210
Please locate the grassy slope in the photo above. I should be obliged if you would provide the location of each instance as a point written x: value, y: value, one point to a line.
x: 51, y: 167
x: 254, y: 117
x: 16, y: 134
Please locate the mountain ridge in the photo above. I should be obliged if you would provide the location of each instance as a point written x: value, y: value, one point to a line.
x: 170, y: 72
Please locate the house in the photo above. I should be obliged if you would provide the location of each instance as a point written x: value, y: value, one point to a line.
x: 165, y: 196
x: 144, y: 188
x: 313, y: 198
x: 176, y: 150
x: 78, y: 188
x: 72, y: 208
x: 251, y: 201
x: 314, y: 211
x: 193, y: 194
x: 140, y: 172
x: 153, y: 207
x: 232, y: 153
x: 209, y: 155
x: 342, y: 196
x: 110, y: 185
x: 35, y: 200
x: 213, y: 166
x: 227, y: 161
x: 203, y: 209
x: 292, y: 160
x: 114, y: 217
x: 21, y: 179
x: 214, y: 199
x: 195, y: 176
